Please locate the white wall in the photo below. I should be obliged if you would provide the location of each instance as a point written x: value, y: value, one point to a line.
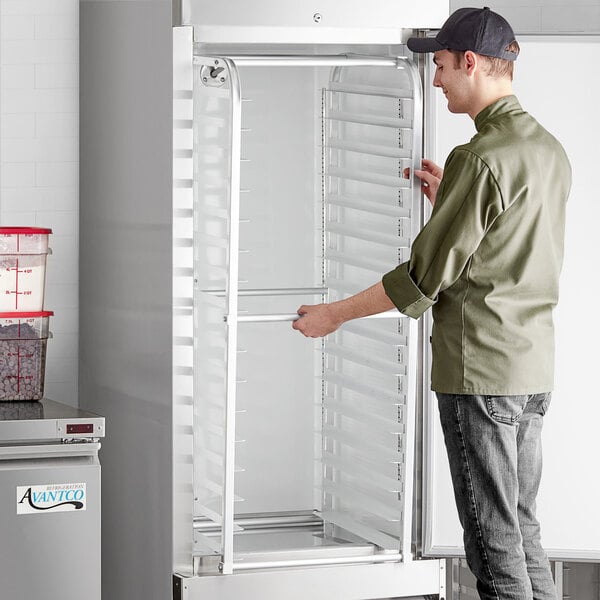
x: 39, y: 158
x: 544, y: 16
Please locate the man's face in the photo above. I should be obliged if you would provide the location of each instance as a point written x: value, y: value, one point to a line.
x: 452, y: 79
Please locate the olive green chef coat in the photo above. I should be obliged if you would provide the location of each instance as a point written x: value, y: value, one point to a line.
x: 488, y: 260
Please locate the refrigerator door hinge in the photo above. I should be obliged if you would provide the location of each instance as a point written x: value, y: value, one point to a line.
x: 214, y: 76
x: 177, y: 588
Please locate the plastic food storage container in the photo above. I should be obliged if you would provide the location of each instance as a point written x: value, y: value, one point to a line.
x: 23, y: 252
x: 23, y: 339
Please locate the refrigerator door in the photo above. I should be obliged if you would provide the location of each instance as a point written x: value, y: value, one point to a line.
x: 570, y: 493
x: 50, y: 521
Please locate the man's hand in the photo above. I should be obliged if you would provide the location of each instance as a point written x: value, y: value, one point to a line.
x: 317, y: 320
x: 430, y: 177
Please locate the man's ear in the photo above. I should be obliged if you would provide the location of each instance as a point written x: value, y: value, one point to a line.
x: 471, y: 62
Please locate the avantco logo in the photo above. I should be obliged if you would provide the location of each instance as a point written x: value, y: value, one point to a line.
x: 49, y: 498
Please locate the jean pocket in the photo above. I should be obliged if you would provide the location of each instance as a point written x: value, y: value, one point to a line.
x: 506, y: 409
x: 545, y: 403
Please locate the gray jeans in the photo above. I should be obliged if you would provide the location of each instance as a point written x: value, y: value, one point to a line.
x: 495, y: 455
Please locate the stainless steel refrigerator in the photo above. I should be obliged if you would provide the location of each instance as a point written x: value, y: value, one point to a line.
x: 300, y: 468
x: 291, y: 134
x: 50, y: 498
x: 292, y: 130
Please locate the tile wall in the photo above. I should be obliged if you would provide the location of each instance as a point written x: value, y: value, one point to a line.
x: 39, y: 158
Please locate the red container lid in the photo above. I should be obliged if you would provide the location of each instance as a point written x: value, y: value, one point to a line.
x: 26, y: 315
x: 25, y: 230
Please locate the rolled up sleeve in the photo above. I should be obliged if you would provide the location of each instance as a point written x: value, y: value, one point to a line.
x: 468, y: 202
x: 405, y: 293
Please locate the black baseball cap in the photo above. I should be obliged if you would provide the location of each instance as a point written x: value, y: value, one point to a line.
x: 480, y: 30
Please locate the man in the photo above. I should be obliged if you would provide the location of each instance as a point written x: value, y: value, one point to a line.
x: 488, y: 263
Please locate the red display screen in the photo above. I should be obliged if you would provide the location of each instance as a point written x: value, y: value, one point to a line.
x: 80, y: 428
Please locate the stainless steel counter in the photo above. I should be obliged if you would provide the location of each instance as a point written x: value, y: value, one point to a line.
x: 47, y: 421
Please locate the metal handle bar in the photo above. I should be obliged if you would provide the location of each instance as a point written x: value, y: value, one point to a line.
x: 278, y: 318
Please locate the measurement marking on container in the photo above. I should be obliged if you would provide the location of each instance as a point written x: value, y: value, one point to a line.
x: 18, y: 375
x: 17, y: 280
x: 17, y: 292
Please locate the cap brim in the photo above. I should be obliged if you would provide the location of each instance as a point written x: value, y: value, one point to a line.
x: 424, y: 44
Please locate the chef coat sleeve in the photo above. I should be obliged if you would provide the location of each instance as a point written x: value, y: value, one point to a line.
x: 467, y: 204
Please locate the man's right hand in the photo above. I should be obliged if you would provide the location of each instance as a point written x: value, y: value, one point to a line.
x: 430, y: 176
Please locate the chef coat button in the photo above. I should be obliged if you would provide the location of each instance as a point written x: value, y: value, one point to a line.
x: 430, y: 339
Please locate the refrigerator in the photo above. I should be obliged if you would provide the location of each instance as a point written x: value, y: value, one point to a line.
x: 50, y: 487
x: 294, y: 459
x: 263, y: 464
